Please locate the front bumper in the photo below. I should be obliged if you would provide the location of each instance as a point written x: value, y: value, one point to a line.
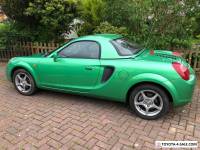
x: 9, y: 71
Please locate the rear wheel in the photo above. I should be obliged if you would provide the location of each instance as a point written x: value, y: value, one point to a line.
x: 149, y: 101
x: 24, y: 82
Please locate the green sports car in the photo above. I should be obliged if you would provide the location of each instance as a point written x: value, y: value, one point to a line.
x: 109, y: 67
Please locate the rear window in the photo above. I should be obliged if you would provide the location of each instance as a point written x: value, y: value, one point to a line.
x: 126, y: 48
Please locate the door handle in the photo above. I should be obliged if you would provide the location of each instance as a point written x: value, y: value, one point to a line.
x: 89, y: 68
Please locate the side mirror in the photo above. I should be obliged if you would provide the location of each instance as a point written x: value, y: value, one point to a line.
x: 55, y: 57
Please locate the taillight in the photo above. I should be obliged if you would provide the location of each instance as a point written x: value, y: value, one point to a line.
x: 181, y: 70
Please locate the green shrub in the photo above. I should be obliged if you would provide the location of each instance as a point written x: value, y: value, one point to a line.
x: 106, y: 27
x: 43, y: 20
x: 9, y: 34
x: 86, y: 29
x: 159, y: 24
x: 4, y: 28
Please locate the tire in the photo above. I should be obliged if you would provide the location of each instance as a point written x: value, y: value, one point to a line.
x: 149, y: 101
x: 24, y: 82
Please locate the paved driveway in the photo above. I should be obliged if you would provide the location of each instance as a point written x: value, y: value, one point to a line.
x: 50, y: 120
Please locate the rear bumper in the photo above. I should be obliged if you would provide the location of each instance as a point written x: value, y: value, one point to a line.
x: 184, y: 90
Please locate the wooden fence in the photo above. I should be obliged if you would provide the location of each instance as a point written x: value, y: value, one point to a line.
x: 25, y: 49
x: 29, y: 48
x: 192, y: 57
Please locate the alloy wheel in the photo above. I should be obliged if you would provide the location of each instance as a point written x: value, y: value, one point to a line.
x: 148, y: 102
x: 23, y: 82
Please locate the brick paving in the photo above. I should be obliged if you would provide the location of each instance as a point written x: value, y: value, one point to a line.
x: 50, y: 120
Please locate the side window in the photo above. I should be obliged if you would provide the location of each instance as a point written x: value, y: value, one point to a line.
x: 81, y: 49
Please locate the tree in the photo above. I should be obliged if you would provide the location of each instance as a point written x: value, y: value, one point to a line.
x: 106, y: 27
x: 196, y: 15
x: 44, y: 20
x: 91, y: 12
x: 15, y: 9
x: 156, y: 23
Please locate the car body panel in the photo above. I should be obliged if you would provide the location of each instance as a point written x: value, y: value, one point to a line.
x: 27, y: 64
x: 75, y: 75
x: 69, y: 73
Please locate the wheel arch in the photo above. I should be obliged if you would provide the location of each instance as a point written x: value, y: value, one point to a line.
x: 28, y: 69
x: 152, y: 83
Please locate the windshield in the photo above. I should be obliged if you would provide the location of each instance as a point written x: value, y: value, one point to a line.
x: 125, y: 48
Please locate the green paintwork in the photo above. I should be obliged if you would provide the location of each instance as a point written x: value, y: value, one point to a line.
x: 70, y: 75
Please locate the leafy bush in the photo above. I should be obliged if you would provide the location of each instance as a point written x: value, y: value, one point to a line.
x: 9, y: 34
x: 44, y: 20
x: 91, y: 12
x: 4, y: 28
x: 158, y: 24
x: 185, y: 44
x: 196, y: 40
x: 106, y: 27
x: 86, y: 29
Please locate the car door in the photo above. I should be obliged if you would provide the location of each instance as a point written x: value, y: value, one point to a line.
x: 77, y: 67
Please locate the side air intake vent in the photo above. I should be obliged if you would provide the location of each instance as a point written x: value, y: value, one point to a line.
x: 108, y: 71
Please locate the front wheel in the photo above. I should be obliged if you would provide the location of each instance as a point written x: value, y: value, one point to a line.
x: 24, y: 82
x: 149, y: 101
